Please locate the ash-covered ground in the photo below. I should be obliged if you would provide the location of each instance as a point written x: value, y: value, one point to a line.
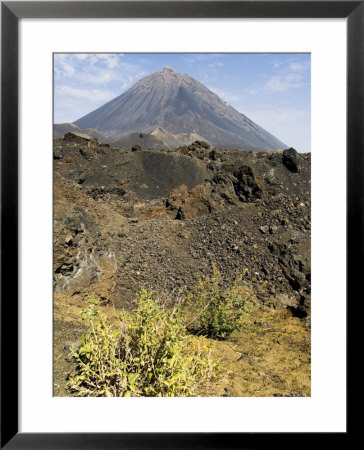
x: 125, y: 219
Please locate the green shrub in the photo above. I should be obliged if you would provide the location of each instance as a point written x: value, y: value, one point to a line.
x: 100, y: 370
x: 150, y: 354
x: 218, y: 314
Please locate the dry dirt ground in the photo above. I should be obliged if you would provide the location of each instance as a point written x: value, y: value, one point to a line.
x: 270, y: 357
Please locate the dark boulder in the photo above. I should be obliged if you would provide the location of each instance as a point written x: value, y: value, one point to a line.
x: 217, y: 155
x: 202, y: 144
x: 291, y: 160
x: 86, y: 154
x: 136, y: 148
x: 198, y: 149
x: 247, y: 184
x: 180, y: 214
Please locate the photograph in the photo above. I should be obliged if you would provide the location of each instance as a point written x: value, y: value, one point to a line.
x: 166, y: 238
x: 181, y: 224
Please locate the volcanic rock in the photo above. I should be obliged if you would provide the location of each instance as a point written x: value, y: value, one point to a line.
x: 156, y: 219
x: 291, y: 160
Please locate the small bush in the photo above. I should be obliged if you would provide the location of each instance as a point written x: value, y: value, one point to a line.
x: 150, y: 354
x: 218, y: 313
x: 100, y: 370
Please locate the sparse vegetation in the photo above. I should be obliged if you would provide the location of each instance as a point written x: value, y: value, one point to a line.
x: 150, y: 354
x: 219, y: 313
x: 270, y: 343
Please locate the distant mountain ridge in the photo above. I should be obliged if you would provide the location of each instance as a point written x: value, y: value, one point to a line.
x: 158, y: 139
x: 167, y: 104
x: 60, y: 129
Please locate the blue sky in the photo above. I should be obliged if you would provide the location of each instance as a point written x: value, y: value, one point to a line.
x: 274, y: 90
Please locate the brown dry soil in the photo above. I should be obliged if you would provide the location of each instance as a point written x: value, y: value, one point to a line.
x: 270, y: 357
x: 124, y: 220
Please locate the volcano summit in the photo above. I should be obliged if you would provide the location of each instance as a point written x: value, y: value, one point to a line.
x: 171, y: 107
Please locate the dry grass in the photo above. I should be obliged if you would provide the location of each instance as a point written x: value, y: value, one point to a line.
x: 270, y: 357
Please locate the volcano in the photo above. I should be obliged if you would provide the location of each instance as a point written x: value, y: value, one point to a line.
x: 177, y: 104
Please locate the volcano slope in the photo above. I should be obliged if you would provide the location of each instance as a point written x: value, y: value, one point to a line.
x: 124, y: 220
x: 166, y: 105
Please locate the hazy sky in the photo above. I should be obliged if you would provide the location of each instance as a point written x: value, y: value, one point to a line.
x: 273, y: 90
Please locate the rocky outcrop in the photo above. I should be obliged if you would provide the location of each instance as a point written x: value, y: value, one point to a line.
x: 177, y: 197
x: 87, y: 155
x: 198, y: 149
x: 136, y: 148
x: 84, y: 260
x: 291, y: 160
x: 247, y: 184
x: 79, y: 138
x: 126, y: 220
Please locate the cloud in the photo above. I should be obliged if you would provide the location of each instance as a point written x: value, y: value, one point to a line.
x: 290, y: 76
x: 85, y: 81
x: 99, y: 76
x: 284, y: 82
x: 95, y: 95
x: 93, y: 68
x: 215, y: 65
x: 111, y: 61
x: 62, y: 68
x: 81, y: 56
x: 304, y: 65
x: 297, y: 67
x: 286, y: 76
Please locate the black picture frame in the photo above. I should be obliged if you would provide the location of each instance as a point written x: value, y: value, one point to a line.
x: 11, y: 12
